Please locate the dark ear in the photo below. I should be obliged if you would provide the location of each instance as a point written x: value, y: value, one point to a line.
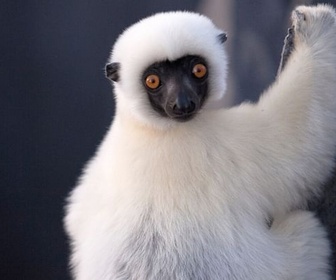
x: 222, y: 38
x: 112, y: 71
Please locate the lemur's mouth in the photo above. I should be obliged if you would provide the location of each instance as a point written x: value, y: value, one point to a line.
x: 183, y: 118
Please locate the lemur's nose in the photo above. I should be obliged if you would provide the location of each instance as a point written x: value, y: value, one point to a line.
x: 183, y: 105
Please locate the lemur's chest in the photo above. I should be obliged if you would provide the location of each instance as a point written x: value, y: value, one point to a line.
x: 168, y: 211
x: 172, y: 242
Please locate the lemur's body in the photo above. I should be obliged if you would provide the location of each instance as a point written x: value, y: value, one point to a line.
x: 177, y: 191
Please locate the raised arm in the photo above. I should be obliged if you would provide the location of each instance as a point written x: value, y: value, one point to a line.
x: 291, y: 133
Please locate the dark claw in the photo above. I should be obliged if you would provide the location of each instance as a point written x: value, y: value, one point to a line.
x: 287, y: 48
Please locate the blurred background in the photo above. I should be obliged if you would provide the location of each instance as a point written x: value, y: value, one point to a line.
x: 56, y: 105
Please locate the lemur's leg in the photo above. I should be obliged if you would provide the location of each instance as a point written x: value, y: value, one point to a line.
x: 307, y: 244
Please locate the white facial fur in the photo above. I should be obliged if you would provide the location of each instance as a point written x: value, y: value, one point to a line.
x: 158, y: 38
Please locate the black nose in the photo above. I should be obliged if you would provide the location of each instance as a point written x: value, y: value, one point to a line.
x: 183, y: 105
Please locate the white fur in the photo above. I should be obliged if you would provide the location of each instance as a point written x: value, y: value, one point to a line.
x: 167, y: 200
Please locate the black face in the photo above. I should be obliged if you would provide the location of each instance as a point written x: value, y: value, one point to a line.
x: 177, y: 89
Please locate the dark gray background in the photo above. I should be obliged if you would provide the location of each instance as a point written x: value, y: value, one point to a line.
x: 55, y: 106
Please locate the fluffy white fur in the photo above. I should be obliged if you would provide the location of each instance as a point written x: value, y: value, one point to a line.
x: 168, y: 200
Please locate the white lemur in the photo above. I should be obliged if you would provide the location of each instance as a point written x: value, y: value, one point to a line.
x: 180, y: 191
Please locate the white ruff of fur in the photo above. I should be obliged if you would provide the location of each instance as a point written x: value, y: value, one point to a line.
x: 167, y: 200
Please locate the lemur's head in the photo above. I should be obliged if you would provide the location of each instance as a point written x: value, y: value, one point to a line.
x: 167, y: 67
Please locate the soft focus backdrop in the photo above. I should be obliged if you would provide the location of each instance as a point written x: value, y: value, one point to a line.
x: 56, y: 105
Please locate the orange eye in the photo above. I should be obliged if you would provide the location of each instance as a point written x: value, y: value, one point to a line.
x: 153, y: 81
x: 199, y: 70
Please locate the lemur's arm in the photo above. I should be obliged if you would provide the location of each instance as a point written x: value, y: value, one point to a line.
x: 290, y: 134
